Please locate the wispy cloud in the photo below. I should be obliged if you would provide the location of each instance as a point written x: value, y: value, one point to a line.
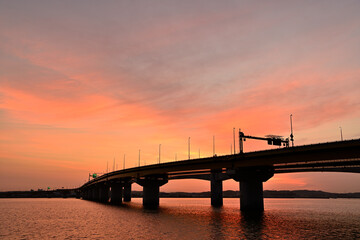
x: 75, y: 76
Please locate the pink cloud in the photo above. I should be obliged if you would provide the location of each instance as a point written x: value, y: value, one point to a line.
x: 79, y: 86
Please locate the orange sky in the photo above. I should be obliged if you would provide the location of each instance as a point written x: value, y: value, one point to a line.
x: 84, y: 82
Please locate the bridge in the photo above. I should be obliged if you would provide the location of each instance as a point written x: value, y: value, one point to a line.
x: 249, y: 169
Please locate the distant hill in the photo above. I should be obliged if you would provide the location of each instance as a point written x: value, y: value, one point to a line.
x: 59, y: 193
x: 308, y: 194
x: 267, y: 194
x: 71, y: 193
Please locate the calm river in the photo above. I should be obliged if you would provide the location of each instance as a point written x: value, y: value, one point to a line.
x: 179, y: 219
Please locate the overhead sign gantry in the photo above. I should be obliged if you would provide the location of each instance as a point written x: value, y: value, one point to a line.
x: 271, y: 139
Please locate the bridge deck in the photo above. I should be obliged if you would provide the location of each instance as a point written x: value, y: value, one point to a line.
x: 301, y: 158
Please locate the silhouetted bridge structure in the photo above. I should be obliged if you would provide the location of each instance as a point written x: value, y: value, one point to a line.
x: 249, y: 169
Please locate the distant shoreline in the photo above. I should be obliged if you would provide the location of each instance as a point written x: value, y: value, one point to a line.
x: 71, y: 193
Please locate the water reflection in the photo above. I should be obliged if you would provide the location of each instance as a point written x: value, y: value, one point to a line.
x: 201, y: 221
x: 178, y: 219
x: 251, y: 225
x: 217, y: 224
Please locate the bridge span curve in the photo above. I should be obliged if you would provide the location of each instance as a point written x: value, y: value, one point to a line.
x: 249, y: 169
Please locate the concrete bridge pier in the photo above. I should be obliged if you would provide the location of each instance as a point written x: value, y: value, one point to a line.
x: 97, y: 190
x: 251, y: 186
x: 86, y: 194
x: 151, y: 188
x: 216, y: 188
x: 89, y: 194
x: 116, y: 193
x: 103, y: 190
x: 95, y: 193
x: 127, y: 192
x: 251, y: 196
x: 78, y: 194
x: 83, y: 194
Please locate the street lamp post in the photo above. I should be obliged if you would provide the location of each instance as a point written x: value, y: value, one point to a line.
x: 213, y: 145
x: 291, y: 135
x: 189, y: 148
x: 159, y: 152
x: 234, y: 139
x: 139, y: 157
x: 124, y: 162
x: 341, y: 135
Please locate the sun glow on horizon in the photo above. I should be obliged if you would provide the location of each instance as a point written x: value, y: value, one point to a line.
x: 81, y: 86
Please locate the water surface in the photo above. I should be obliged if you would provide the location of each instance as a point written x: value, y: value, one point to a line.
x: 179, y: 219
